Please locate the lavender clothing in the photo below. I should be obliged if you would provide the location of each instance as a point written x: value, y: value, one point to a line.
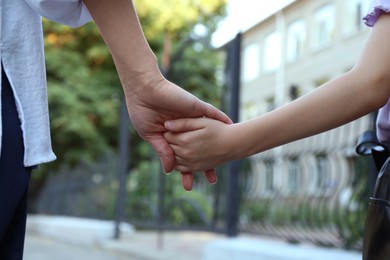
x: 377, y: 8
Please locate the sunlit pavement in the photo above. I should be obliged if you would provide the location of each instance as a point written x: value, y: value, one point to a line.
x: 143, y: 246
x: 40, y: 248
x: 71, y: 238
x: 53, y: 237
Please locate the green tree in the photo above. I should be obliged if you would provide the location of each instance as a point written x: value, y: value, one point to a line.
x: 84, y: 92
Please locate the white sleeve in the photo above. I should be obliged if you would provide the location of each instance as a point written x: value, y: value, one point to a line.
x: 69, y: 12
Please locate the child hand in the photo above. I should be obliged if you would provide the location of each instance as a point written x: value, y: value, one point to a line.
x: 190, y: 139
x: 200, y: 143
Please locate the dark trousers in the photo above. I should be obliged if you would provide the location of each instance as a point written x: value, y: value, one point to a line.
x: 14, y: 179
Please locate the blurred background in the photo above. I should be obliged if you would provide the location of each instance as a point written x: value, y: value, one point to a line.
x: 245, y: 57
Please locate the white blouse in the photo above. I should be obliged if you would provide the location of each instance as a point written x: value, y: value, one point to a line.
x: 22, y: 58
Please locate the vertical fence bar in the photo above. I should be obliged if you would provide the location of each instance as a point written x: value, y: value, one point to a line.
x: 160, y: 210
x: 233, y: 84
x: 124, y: 139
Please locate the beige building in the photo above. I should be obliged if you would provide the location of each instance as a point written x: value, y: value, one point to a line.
x: 283, y: 57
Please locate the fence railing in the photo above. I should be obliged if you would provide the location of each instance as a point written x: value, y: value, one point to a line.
x: 328, y: 212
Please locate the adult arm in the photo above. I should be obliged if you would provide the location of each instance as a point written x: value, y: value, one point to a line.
x: 150, y: 98
x: 360, y: 91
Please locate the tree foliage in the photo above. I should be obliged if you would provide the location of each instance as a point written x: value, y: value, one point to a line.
x: 179, y: 31
x: 177, y: 16
x: 84, y: 92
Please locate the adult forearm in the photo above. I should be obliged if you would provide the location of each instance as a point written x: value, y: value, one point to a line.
x: 122, y: 32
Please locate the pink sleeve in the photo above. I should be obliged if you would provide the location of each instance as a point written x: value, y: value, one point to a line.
x: 376, y: 9
x: 383, y: 124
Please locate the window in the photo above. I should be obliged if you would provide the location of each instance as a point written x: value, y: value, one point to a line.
x: 322, y: 176
x: 272, y: 51
x: 324, y: 25
x: 294, y: 92
x: 294, y: 176
x: 250, y: 110
x: 354, y: 12
x: 269, y: 176
x: 296, y: 38
x: 251, y: 62
x: 321, y: 81
x: 270, y: 102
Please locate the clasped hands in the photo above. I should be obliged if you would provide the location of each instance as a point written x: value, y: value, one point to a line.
x: 199, y: 144
x: 160, y: 112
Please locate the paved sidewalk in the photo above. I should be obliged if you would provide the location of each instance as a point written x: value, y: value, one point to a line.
x: 85, y: 239
x: 167, y: 246
x: 97, y: 236
x: 144, y: 246
x: 250, y: 248
x: 42, y: 248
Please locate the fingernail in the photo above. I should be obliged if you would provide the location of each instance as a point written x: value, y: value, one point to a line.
x: 169, y: 124
x: 165, y: 171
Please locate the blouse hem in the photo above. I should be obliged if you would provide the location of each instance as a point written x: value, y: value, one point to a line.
x: 371, y: 18
x: 41, y: 160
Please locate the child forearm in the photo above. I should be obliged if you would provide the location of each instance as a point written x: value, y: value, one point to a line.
x: 364, y: 89
x: 335, y: 103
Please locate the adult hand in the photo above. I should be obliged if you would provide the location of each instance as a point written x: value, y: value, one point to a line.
x: 161, y: 100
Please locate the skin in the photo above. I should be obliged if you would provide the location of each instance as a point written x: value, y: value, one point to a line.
x: 151, y: 99
x: 204, y: 143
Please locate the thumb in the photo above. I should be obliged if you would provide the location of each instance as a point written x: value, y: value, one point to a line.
x: 164, y: 151
x: 184, y: 124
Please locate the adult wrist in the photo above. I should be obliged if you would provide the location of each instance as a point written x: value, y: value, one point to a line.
x: 139, y: 78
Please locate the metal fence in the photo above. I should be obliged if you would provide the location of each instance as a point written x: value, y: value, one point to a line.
x: 332, y: 216
x: 329, y: 212
x: 88, y: 190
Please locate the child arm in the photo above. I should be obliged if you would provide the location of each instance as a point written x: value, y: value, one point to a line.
x: 360, y: 91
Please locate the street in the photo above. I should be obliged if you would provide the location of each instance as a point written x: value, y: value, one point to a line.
x: 40, y: 248
x: 68, y: 238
